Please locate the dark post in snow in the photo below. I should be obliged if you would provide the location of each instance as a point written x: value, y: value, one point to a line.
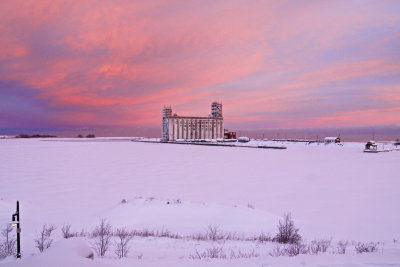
x: 16, y: 220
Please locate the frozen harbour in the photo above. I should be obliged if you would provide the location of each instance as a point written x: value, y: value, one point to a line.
x: 332, y: 191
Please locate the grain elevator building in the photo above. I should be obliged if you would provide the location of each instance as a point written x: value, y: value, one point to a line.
x: 176, y: 127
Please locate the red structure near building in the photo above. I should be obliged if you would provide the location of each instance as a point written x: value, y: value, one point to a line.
x: 229, y: 135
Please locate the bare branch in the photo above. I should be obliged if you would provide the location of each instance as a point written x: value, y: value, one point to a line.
x: 102, y: 235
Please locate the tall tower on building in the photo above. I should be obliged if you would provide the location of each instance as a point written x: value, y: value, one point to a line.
x: 216, y: 110
x: 167, y: 112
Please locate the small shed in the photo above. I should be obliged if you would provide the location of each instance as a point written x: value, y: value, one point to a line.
x: 229, y: 134
x: 332, y: 139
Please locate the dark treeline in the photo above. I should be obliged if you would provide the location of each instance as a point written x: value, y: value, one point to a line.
x: 347, y: 134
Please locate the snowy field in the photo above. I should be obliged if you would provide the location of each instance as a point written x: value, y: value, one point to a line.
x: 333, y: 192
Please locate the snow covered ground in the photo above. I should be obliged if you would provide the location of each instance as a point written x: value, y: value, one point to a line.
x: 332, y: 191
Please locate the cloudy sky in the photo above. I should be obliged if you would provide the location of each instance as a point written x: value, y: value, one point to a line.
x: 271, y: 63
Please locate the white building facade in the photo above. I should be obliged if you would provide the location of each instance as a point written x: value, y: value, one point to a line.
x: 176, y: 127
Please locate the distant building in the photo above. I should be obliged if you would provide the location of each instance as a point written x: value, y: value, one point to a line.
x: 176, y: 127
x: 329, y: 140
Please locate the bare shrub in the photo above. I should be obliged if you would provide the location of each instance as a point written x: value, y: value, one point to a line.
x: 152, y: 233
x: 263, y: 238
x: 166, y: 233
x: 296, y: 249
x: 287, y: 232
x: 367, y: 247
x: 341, y: 247
x: 66, y: 231
x: 198, y: 237
x: 83, y: 233
x: 290, y: 250
x: 195, y: 256
x: 242, y: 254
x: 320, y: 245
x: 324, y: 244
x: 44, y: 240
x: 215, y: 253
x: 163, y: 233
x: 2, y: 251
x: 8, y: 244
x: 278, y: 251
x: 121, y: 246
x: 212, y: 253
x: 102, y: 235
x: 212, y: 232
x: 143, y: 233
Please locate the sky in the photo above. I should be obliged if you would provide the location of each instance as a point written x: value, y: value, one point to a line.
x: 271, y: 63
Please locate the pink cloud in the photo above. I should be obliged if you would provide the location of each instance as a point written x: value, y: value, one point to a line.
x: 123, y: 58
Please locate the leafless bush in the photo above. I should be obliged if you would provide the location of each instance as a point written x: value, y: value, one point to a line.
x: 44, y: 240
x: 341, y: 247
x: 121, y: 246
x: 290, y: 250
x: 3, y: 253
x: 66, y: 231
x: 196, y: 256
x: 287, y: 232
x: 143, y: 233
x: 198, y: 237
x: 240, y: 254
x: 278, y: 251
x: 296, y: 249
x: 314, y: 247
x: 263, y: 237
x: 8, y: 242
x: 215, y: 253
x: 167, y: 233
x: 367, y: 247
x: 102, y: 235
x: 212, y: 253
x: 151, y: 233
x: 212, y: 232
x: 83, y: 233
x: 232, y: 236
x: 320, y: 245
x: 324, y: 244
